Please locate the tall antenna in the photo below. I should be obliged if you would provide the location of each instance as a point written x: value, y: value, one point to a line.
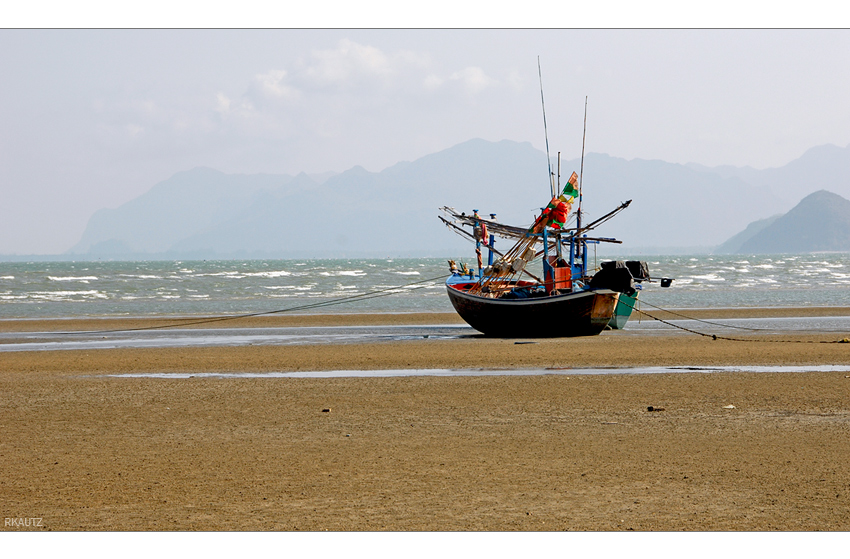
x: 545, y: 131
x: 581, y: 172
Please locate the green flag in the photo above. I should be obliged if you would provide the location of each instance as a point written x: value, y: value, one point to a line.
x: 571, y: 188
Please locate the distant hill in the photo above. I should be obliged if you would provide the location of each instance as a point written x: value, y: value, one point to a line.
x: 821, y: 167
x: 179, y: 207
x: 820, y: 222
x: 204, y: 213
x: 733, y: 245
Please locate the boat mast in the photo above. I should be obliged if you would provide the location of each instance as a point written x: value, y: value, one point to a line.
x: 558, y: 235
x: 545, y: 131
x: 579, y: 245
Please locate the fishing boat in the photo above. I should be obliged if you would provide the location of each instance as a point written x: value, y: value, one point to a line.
x: 506, y: 299
x: 565, y: 298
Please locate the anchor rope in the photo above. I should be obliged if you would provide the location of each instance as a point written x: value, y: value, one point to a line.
x: 193, y: 321
x: 727, y: 338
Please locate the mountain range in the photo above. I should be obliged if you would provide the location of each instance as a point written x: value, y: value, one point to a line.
x: 204, y: 213
x: 819, y: 223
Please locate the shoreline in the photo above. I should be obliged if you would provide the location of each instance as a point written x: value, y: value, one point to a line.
x: 41, y: 324
x: 609, y: 349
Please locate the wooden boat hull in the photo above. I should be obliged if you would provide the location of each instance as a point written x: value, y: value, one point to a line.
x: 623, y: 311
x: 584, y: 313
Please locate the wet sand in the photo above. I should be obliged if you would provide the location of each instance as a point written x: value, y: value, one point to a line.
x: 354, y: 319
x: 83, y: 451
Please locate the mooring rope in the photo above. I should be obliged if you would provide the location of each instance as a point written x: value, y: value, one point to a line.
x: 716, y: 337
x: 220, y: 318
x: 697, y: 319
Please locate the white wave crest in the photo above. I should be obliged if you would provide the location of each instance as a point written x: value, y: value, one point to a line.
x: 276, y: 274
x: 343, y: 273
x: 83, y: 279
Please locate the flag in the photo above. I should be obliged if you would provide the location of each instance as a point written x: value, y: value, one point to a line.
x: 555, y: 213
x: 559, y: 214
x: 571, y: 188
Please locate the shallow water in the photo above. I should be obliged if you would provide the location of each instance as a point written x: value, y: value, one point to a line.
x: 495, y: 372
x: 72, y: 289
x: 228, y: 337
x: 233, y: 337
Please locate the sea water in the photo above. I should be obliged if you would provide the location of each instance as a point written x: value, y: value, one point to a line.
x: 139, y: 288
x: 383, y: 373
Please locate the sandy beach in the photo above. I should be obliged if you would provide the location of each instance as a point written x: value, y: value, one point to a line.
x: 86, y: 451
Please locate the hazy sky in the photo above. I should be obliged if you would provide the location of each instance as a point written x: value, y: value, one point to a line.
x: 91, y: 119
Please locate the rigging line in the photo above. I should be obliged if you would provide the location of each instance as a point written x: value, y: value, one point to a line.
x: 643, y: 301
x: 732, y: 326
x: 716, y: 337
x: 351, y: 298
x: 545, y: 131
x: 581, y: 171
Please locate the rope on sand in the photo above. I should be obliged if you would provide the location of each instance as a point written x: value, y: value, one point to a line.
x: 206, y: 320
x: 716, y: 337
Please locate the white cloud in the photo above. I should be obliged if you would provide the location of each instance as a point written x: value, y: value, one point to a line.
x: 348, y: 60
x: 272, y: 85
x: 307, y: 104
x: 433, y: 81
x: 222, y: 103
x: 515, y: 80
x: 473, y: 79
x: 133, y: 129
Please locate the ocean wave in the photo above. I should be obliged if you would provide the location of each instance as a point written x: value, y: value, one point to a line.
x: 82, y: 279
x: 355, y: 273
x: 229, y: 275
x: 277, y: 274
x: 708, y: 277
x: 65, y: 295
x: 140, y: 276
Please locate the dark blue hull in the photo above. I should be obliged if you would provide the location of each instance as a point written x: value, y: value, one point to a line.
x: 584, y: 313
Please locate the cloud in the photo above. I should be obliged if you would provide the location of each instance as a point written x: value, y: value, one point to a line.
x: 349, y: 60
x: 222, y: 103
x: 515, y: 80
x: 349, y: 90
x: 473, y: 79
x: 352, y: 77
x: 272, y: 85
x: 433, y: 81
x: 133, y: 129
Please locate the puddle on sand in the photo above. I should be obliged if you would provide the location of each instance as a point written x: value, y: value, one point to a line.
x: 497, y: 372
